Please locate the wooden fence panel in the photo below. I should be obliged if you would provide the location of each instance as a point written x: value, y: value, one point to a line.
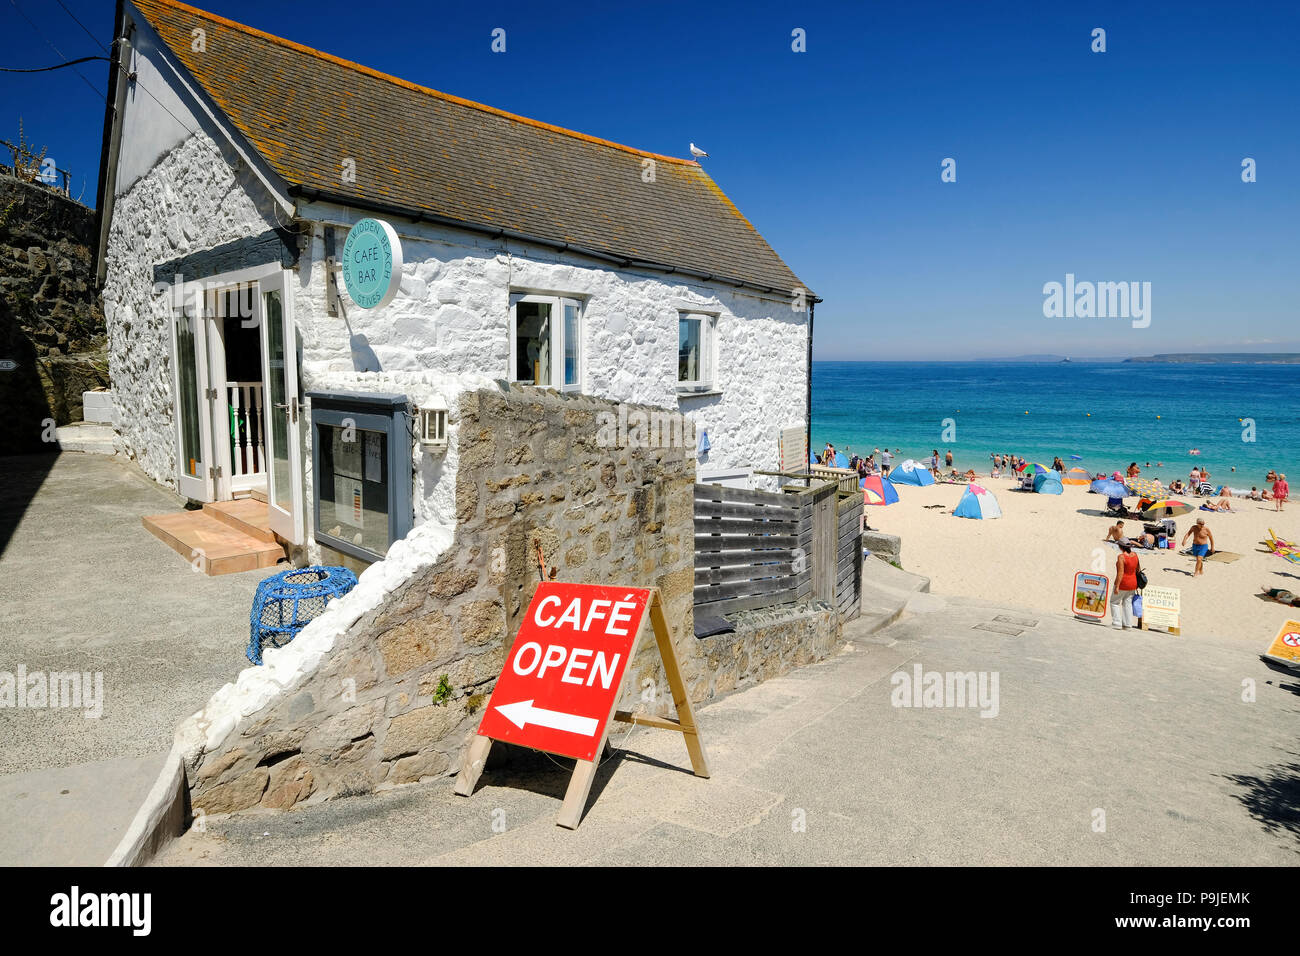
x: 750, y: 548
x: 757, y: 549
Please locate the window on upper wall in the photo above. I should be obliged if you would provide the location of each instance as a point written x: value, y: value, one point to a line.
x: 695, y: 333
x: 546, y: 341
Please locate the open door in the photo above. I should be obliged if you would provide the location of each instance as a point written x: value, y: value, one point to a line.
x: 195, y: 468
x: 274, y: 312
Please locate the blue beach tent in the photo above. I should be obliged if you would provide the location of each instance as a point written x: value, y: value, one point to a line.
x: 1048, y: 484
x: 977, y: 502
x: 911, y: 473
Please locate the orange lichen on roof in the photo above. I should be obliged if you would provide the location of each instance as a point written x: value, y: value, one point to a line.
x: 415, y: 87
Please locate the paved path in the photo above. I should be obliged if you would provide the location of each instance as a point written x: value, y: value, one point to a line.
x: 86, y: 588
x: 819, y: 767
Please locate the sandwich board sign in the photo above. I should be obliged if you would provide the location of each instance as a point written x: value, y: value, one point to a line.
x: 560, y: 684
x: 1286, y: 645
x: 1090, y: 593
x: 1161, y: 607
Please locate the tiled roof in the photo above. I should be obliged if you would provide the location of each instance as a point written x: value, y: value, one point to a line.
x: 428, y: 152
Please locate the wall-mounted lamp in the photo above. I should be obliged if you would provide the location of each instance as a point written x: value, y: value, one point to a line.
x: 433, y: 424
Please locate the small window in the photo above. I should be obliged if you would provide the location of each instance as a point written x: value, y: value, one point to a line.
x: 546, y: 342
x: 695, y: 352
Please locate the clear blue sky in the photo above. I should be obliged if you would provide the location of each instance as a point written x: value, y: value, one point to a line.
x: 1123, y: 165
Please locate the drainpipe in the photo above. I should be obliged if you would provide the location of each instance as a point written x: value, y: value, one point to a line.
x: 812, y: 307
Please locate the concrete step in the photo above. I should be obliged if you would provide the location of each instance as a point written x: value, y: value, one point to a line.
x: 247, y: 515
x: 72, y: 816
x: 213, y: 546
x: 86, y: 437
x: 877, y: 572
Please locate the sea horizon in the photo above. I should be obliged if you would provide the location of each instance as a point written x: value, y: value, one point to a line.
x: 1241, y: 417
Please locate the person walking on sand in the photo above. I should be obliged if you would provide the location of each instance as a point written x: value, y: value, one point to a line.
x: 1126, y: 585
x: 1280, y: 491
x: 1202, y: 544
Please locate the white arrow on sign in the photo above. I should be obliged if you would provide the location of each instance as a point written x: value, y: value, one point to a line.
x: 524, y: 712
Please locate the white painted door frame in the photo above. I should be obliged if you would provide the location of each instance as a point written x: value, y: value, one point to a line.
x: 195, y: 478
x: 280, y: 397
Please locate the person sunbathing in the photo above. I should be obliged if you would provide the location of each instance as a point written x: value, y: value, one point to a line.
x: 1177, y: 487
x: 1115, y: 532
x: 1255, y: 495
x: 1282, y: 596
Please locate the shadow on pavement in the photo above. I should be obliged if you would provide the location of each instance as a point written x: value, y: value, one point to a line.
x: 1274, y: 799
x: 22, y: 476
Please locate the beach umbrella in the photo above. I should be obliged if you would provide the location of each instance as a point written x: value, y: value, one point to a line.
x: 1048, y: 484
x: 1077, y: 476
x: 911, y: 473
x: 1036, y: 468
x: 878, y: 490
x: 1167, y: 508
x: 1110, y: 488
x: 977, y: 502
x: 1146, y: 487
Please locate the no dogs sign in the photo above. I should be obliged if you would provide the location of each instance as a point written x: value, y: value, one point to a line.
x: 563, y: 675
x: 561, y: 682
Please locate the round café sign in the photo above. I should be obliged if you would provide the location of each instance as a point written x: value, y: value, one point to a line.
x: 372, y: 263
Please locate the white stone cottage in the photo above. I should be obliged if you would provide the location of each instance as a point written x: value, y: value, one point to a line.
x: 235, y: 164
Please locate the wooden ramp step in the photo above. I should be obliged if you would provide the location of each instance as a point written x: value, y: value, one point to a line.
x: 212, y: 546
x: 248, y: 515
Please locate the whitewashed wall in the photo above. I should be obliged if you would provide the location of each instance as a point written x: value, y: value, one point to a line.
x: 452, y: 315
x: 190, y: 201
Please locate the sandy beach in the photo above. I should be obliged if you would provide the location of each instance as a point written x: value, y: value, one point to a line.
x: 1030, y: 554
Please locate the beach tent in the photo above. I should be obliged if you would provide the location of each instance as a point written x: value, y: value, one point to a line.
x: 1048, y: 484
x: 1110, y: 488
x: 878, y: 490
x: 1077, y: 476
x: 977, y: 502
x: 840, y: 461
x: 911, y: 473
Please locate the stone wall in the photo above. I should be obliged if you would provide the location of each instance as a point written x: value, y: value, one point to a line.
x: 766, y: 643
x: 371, y: 714
x: 51, y: 323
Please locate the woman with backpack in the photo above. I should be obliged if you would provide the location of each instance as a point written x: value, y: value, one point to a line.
x: 1127, y: 584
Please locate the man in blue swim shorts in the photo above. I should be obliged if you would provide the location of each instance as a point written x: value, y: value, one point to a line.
x: 1202, y: 543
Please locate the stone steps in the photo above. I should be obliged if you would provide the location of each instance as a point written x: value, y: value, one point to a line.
x: 86, y: 437
x: 886, y: 593
x: 213, y: 545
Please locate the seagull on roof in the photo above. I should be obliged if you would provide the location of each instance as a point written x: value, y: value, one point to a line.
x: 697, y: 152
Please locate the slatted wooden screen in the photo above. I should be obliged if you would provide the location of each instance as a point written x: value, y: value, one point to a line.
x: 848, y: 556
x: 751, y: 549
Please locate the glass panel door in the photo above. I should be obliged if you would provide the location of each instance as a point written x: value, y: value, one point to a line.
x: 193, y: 419
x: 280, y: 375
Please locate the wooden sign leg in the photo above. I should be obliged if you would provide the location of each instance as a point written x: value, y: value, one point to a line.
x: 472, y: 769
x: 575, y: 798
x: 681, y: 700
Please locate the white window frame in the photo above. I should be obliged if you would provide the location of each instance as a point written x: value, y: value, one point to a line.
x: 708, y: 344
x: 557, y: 304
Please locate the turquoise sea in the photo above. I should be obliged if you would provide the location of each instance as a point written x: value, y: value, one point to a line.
x: 1108, y: 413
